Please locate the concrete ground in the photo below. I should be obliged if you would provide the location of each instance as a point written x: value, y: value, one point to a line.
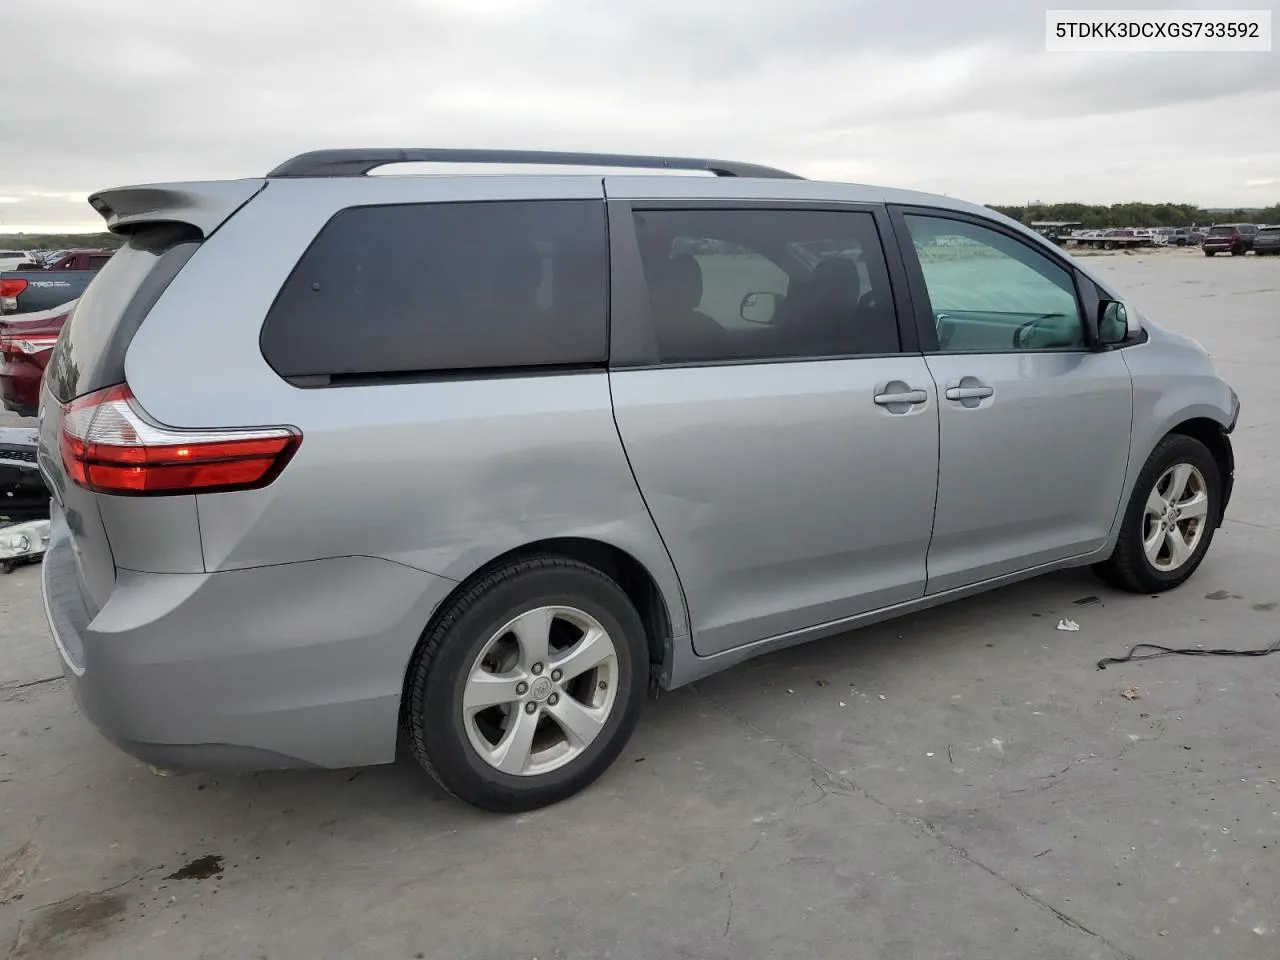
x: 962, y: 783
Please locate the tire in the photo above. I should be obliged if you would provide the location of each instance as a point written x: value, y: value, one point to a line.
x: 1208, y: 253
x: 1129, y: 567
x: 441, y: 736
x: 1237, y: 252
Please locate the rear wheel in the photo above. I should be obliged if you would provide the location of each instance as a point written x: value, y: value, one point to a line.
x: 1170, y: 520
x: 528, y: 686
x: 1208, y: 253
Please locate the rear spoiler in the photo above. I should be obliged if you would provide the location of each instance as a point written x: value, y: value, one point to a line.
x: 204, y: 205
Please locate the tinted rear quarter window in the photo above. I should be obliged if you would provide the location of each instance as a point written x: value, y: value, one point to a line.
x: 90, y: 352
x: 429, y: 288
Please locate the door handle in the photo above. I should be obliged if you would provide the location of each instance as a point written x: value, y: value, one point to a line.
x: 969, y: 393
x: 908, y: 396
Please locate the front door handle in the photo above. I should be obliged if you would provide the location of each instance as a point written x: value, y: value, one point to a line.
x: 908, y: 397
x: 969, y: 393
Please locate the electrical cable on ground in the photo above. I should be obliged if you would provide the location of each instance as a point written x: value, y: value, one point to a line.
x: 1185, y: 651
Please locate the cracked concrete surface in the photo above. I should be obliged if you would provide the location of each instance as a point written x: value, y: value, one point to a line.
x: 961, y: 783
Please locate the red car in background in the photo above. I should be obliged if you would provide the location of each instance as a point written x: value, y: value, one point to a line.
x: 26, y: 341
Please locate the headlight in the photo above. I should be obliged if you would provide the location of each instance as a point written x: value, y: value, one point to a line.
x: 24, y: 539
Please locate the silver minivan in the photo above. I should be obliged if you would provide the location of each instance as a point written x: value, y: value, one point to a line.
x: 475, y: 463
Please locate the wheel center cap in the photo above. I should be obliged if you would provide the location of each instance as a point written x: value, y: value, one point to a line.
x: 540, y: 689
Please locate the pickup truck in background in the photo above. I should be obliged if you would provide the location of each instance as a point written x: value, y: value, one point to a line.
x: 22, y: 291
x: 13, y: 259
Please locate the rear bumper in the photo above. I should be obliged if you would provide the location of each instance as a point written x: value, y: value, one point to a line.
x: 299, y: 664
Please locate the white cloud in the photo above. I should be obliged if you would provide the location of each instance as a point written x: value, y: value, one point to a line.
x: 952, y: 97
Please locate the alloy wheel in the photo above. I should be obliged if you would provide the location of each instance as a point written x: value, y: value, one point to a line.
x: 1175, y: 517
x: 540, y: 691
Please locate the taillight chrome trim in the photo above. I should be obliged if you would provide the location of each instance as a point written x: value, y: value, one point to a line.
x: 129, y: 454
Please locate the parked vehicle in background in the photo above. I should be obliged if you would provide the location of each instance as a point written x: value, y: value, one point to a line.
x: 604, y: 431
x: 12, y: 259
x: 1267, y: 241
x: 1233, y: 238
x: 1183, y: 236
x: 1055, y: 230
x: 26, y: 343
x: 25, y: 291
x: 1110, y: 239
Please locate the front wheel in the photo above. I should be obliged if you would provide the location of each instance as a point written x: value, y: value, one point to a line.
x: 1170, y: 520
x: 528, y: 686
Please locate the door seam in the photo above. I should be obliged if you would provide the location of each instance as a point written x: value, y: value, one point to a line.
x: 937, y: 475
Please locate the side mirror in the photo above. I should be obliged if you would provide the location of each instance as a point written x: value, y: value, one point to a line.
x: 759, y: 307
x: 1116, y: 322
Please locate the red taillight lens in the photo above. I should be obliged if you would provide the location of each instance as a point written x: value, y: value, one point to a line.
x: 108, y: 447
x: 12, y: 288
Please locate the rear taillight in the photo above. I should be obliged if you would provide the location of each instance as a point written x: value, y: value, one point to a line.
x: 12, y: 288
x: 30, y: 344
x: 109, y: 447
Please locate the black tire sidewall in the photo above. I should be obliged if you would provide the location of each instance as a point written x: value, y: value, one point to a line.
x: 437, y: 710
x: 1172, y: 450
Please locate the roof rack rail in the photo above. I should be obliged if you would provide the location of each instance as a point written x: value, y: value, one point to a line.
x: 358, y: 162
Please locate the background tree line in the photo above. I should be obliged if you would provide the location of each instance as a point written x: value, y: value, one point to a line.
x: 1092, y: 215
x: 60, y: 241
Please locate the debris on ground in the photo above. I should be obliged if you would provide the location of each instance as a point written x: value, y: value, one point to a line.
x: 1070, y: 626
x: 821, y: 683
x: 1131, y: 693
x: 1087, y: 601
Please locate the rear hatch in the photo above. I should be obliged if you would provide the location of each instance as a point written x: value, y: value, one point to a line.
x: 89, y: 356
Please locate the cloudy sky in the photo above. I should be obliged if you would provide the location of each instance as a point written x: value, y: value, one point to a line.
x: 950, y: 96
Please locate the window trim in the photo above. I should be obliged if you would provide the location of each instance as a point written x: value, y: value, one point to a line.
x: 927, y: 330
x: 631, y: 344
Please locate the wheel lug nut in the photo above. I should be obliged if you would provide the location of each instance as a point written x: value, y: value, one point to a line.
x: 556, y: 675
x: 537, y: 669
x: 603, y: 685
x: 553, y: 699
x: 530, y: 707
x: 522, y: 688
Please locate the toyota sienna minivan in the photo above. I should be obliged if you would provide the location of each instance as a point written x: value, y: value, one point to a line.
x: 474, y: 463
